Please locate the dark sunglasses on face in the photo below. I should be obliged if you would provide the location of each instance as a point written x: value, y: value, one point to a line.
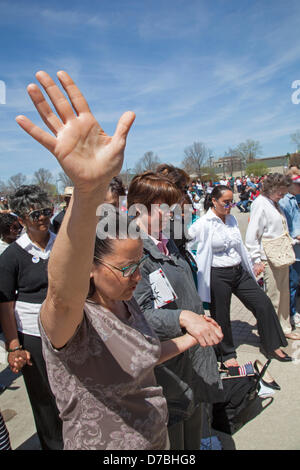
x: 36, y: 214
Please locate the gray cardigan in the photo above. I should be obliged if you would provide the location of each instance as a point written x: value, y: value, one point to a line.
x: 192, y: 377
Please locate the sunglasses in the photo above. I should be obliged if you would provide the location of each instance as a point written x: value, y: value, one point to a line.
x: 36, y: 214
x: 228, y: 205
x: 128, y: 270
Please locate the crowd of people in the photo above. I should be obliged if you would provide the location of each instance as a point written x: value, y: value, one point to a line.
x: 103, y: 313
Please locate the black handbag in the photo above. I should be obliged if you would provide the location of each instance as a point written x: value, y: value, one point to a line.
x: 241, y: 402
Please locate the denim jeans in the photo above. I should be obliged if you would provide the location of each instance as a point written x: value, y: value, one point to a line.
x: 294, y: 282
x: 244, y: 204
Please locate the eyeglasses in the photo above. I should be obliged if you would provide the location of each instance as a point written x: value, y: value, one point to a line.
x: 36, y: 214
x: 128, y: 270
x: 227, y: 205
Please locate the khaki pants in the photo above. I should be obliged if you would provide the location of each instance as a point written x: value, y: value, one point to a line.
x: 278, y: 290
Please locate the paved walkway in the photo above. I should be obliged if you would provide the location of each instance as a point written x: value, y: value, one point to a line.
x: 276, y: 428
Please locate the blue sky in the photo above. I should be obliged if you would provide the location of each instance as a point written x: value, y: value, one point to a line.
x: 218, y: 72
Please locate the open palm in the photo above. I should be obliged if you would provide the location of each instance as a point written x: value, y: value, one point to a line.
x: 87, y: 155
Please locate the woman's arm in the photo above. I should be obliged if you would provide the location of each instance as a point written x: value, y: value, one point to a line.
x: 255, y: 232
x: 173, y: 347
x: 91, y: 159
x: 19, y: 358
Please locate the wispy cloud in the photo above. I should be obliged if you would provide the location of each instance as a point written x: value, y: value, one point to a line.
x: 219, y: 72
x: 73, y: 17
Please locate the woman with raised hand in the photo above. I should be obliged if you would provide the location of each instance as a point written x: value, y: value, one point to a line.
x: 99, y: 349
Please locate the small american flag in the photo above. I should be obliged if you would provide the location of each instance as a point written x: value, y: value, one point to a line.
x: 246, y: 369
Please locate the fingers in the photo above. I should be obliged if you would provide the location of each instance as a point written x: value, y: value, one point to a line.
x: 43, y: 108
x: 211, y: 320
x: 17, y: 362
x: 37, y: 133
x: 28, y: 361
x: 210, y: 336
x: 76, y: 97
x: 58, y: 99
x: 124, y: 125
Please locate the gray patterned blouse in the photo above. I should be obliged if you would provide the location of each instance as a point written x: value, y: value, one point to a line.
x: 104, y: 383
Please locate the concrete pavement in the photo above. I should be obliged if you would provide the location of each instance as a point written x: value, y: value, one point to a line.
x: 276, y: 428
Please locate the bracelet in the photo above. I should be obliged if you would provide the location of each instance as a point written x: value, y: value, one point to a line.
x: 14, y: 349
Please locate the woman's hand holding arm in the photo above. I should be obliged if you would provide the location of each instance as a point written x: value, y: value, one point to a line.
x: 91, y: 159
x: 204, y: 329
x: 201, y: 329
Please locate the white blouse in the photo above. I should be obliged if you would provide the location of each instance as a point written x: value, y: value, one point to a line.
x: 225, y: 243
x: 265, y: 222
x: 216, y: 244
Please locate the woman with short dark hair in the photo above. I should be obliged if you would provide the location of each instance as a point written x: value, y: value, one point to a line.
x: 23, y: 288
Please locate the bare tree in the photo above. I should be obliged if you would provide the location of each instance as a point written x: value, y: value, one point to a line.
x: 43, y: 178
x: 233, y: 161
x: 196, y: 158
x: 65, y: 180
x: 149, y: 161
x: 248, y: 150
x: 295, y: 138
x: 15, y: 182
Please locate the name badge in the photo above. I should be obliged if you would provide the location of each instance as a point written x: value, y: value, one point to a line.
x: 162, y: 290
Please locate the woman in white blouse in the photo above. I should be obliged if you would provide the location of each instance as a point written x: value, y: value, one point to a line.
x: 224, y: 267
x: 268, y: 221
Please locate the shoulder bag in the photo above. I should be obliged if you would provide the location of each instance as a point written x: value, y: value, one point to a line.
x: 279, y: 251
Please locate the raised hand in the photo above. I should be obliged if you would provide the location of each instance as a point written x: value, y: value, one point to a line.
x: 87, y: 155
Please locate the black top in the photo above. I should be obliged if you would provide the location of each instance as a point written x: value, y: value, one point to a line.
x: 19, y: 273
x: 57, y: 221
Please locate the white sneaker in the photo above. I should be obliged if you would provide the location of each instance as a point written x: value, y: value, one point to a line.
x: 296, y: 320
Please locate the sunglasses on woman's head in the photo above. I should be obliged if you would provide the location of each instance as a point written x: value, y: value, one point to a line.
x: 36, y: 214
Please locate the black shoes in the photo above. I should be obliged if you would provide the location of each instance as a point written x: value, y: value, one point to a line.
x: 271, y: 382
x: 286, y: 357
